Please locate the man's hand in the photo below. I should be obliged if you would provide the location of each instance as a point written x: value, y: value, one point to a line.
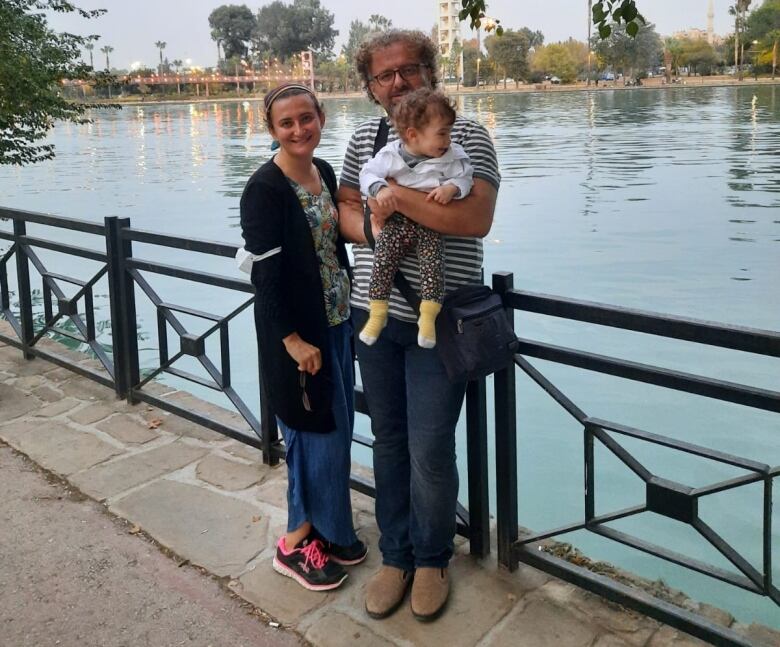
x: 443, y: 194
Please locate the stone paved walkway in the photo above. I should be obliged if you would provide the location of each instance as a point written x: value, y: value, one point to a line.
x: 210, y: 500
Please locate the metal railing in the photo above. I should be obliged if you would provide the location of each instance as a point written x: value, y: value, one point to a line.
x: 665, y: 497
x: 670, y: 499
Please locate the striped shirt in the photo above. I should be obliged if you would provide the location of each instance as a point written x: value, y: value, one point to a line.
x: 462, y: 256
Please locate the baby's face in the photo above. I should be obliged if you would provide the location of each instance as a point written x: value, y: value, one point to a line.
x: 434, y: 139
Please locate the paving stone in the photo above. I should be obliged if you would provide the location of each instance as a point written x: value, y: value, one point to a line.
x: 763, y: 635
x: 335, y: 629
x: 57, y: 408
x: 211, y: 530
x: 279, y: 596
x: 543, y: 623
x: 213, y: 411
x: 632, y: 627
x: 127, y: 429
x: 478, y: 601
x: 47, y: 393
x: 57, y: 447
x: 242, y: 450
x: 229, y: 475
x: 15, y: 403
x: 28, y: 383
x: 86, y: 389
x: 273, y: 492
x: 105, y: 481
x: 666, y: 637
x: 610, y: 640
x: 174, y: 424
x: 91, y: 413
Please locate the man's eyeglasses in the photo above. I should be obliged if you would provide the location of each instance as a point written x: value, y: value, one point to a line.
x: 406, y: 72
x: 305, y: 396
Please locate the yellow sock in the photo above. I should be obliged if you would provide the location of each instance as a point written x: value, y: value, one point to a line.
x: 426, y: 324
x: 377, y: 320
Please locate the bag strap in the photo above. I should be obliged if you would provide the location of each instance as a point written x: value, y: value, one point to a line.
x: 400, y: 281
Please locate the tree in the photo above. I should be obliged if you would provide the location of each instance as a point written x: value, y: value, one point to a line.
x: 379, y: 23
x: 697, y: 55
x: 626, y: 53
x: 535, y: 37
x: 285, y: 30
x: 763, y: 25
x: 89, y: 47
x: 107, y: 50
x: 739, y: 11
x: 555, y: 59
x: 34, y: 59
x: 232, y: 27
x: 160, y: 44
x: 510, y: 54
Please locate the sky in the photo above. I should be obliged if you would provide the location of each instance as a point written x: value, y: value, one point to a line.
x: 132, y: 28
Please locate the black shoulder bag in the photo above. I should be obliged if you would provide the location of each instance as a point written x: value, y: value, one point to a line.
x: 473, y: 335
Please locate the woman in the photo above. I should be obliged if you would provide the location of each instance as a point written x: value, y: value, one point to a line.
x: 299, y: 268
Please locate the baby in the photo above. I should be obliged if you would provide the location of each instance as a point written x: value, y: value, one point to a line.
x: 422, y: 158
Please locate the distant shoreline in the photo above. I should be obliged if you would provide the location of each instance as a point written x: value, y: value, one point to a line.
x: 545, y: 87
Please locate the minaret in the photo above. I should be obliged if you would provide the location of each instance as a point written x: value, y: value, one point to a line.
x: 710, y: 23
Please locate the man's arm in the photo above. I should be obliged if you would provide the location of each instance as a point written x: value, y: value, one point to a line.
x: 471, y: 216
x: 350, y: 204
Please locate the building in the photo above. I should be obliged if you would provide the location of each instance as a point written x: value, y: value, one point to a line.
x: 449, y: 24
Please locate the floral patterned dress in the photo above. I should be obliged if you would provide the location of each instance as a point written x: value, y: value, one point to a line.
x: 322, y: 215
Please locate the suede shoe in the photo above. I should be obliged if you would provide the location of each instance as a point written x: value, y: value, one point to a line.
x: 430, y: 591
x: 386, y: 590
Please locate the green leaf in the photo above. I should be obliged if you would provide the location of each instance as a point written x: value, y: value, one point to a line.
x: 604, y: 30
x: 630, y: 13
x: 463, y: 14
x: 598, y: 13
x: 499, y: 31
x: 632, y: 29
x: 616, y: 14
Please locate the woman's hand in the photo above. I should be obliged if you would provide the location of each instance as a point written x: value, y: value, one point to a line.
x: 308, y: 357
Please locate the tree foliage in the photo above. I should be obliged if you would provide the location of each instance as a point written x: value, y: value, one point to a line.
x: 556, y: 59
x: 284, y: 30
x: 34, y: 59
x: 232, y: 27
x: 607, y: 14
x: 626, y: 53
x: 697, y: 55
x: 509, y: 52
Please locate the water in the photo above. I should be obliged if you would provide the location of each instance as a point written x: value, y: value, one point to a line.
x: 659, y: 200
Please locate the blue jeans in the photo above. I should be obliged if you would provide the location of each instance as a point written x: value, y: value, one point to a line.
x: 318, y: 465
x: 414, y: 410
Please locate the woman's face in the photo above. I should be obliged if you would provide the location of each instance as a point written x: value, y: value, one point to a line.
x: 296, y: 124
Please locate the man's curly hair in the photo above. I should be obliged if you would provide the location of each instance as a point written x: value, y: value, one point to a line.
x: 418, y: 108
x: 415, y: 40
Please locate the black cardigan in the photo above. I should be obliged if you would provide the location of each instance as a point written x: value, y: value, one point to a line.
x: 289, y: 294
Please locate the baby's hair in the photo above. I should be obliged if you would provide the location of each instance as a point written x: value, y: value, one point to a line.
x: 418, y: 108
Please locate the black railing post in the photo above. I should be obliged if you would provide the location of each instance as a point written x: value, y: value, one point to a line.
x: 118, y: 334
x: 506, y: 446
x: 25, y: 294
x: 477, y: 452
x: 126, y: 311
x: 269, y: 432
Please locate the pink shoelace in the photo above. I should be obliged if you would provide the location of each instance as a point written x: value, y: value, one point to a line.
x: 315, y: 555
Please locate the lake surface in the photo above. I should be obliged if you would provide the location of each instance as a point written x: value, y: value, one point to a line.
x: 660, y: 200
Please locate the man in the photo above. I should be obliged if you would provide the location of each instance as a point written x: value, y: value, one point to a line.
x: 414, y: 408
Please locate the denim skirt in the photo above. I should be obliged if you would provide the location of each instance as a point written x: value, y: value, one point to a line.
x: 318, y: 464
